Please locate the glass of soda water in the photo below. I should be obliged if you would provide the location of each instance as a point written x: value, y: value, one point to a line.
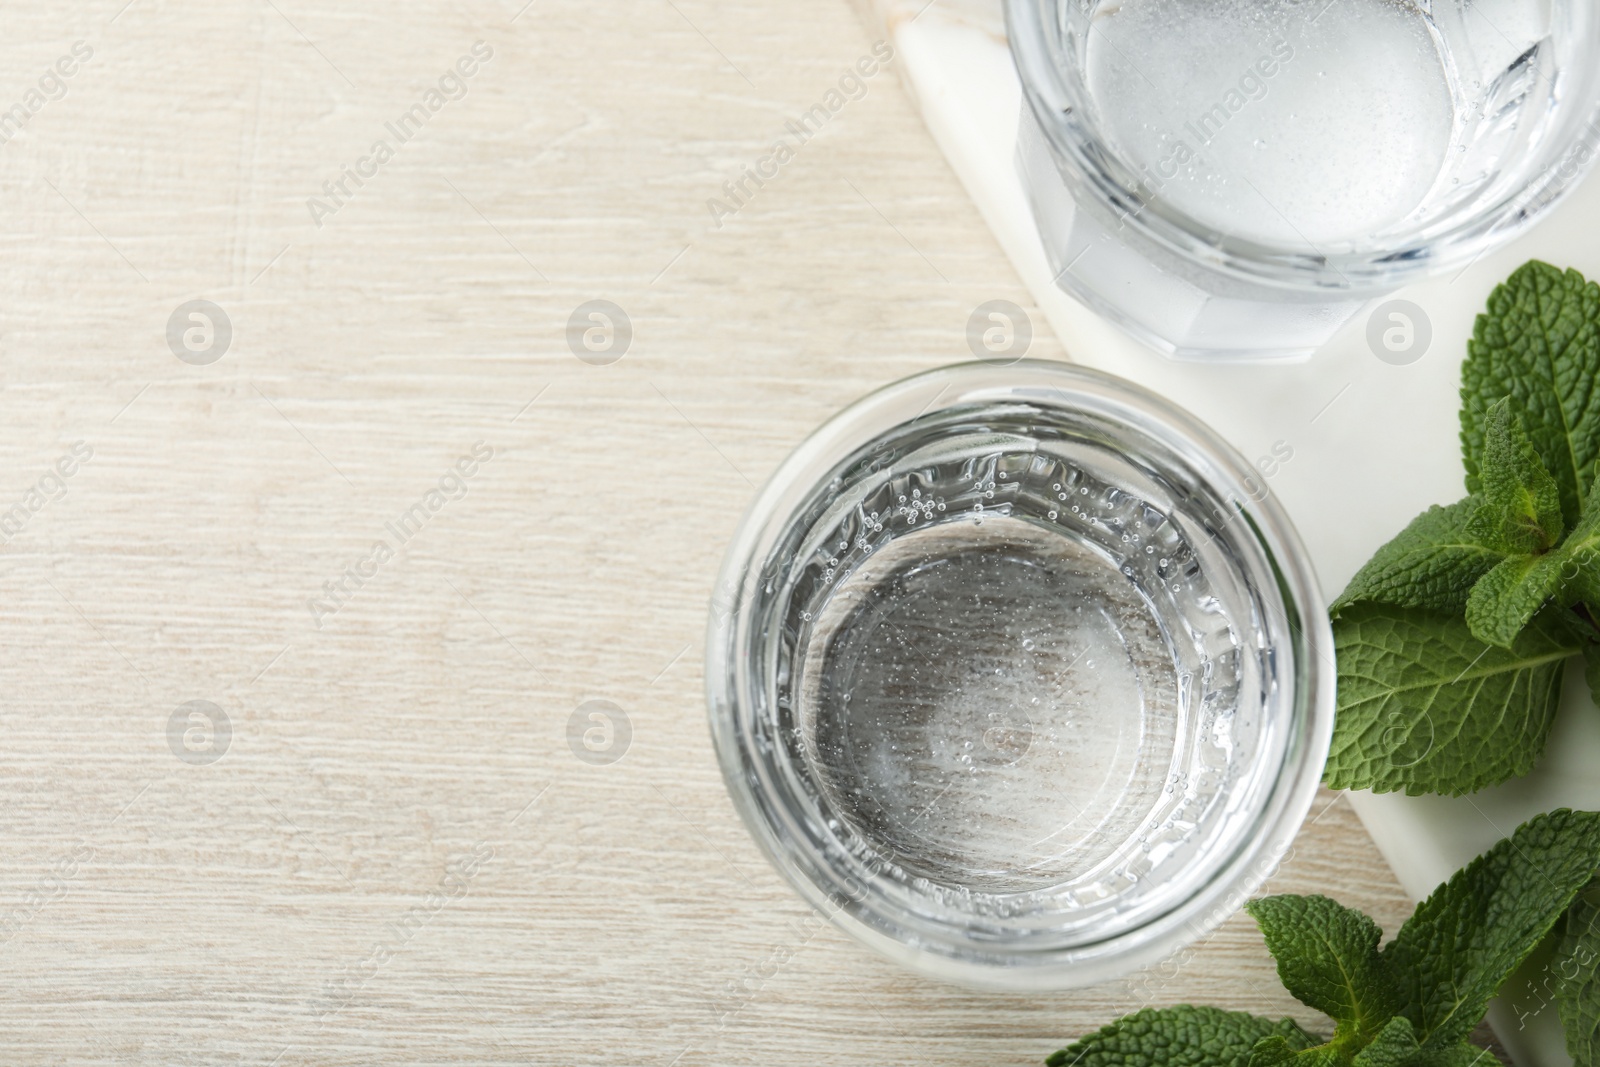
x: 1020, y: 675
x: 1238, y: 178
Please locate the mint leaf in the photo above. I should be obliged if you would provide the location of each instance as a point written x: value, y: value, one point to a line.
x: 1397, y: 1046
x: 1506, y: 598
x: 1433, y: 563
x: 1503, y: 601
x: 1539, y: 342
x: 1278, y: 1052
x: 1179, y: 1037
x: 1426, y: 707
x: 1521, y: 507
x: 1582, y: 550
x: 1328, y: 959
x: 1394, y: 1046
x: 1591, y: 670
x: 1272, y: 1052
x: 1577, y: 969
x: 1464, y: 940
x: 1462, y: 1055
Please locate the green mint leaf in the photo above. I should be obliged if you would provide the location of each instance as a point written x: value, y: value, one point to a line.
x: 1521, y: 503
x: 1462, y: 1055
x: 1394, y: 1046
x: 1508, y: 597
x: 1464, y: 940
x: 1433, y: 564
x: 1328, y: 959
x: 1179, y: 1037
x: 1576, y: 621
x: 1582, y: 550
x: 1277, y: 1052
x: 1397, y: 1046
x: 1272, y: 1052
x: 1577, y: 970
x: 1591, y: 670
x: 1426, y: 707
x: 1504, y: 599
x: 1539, y: 342
x: 1521, y: 507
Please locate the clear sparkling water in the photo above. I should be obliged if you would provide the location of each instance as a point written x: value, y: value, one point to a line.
x: 1025, y: 689
x: 1313, y: 124
x: 1015, y: 674
x: 996, y: 705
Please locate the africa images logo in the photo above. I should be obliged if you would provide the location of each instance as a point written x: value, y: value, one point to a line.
x: 454, y: 484
x: 50, y: 487
x: 52, y: 85
x: 452, y: 85
x: 852, y: 85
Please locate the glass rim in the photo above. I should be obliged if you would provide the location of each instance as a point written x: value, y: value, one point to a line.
x: 732, y: 667
x: 1088, y: 162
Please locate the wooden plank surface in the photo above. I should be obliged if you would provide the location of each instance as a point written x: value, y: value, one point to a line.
x: 400, y: 857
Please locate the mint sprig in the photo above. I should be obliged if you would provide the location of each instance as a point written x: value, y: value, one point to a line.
x: 1413, y: 1002
x: 1453, y: 640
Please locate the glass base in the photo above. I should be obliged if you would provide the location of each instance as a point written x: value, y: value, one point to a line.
x: 1181, y: 310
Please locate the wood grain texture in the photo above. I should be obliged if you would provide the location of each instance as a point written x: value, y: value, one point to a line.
x: 273, y: 906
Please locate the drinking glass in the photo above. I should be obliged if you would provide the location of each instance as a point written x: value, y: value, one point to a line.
x: 1238, y: 178
x: 1019, y: 675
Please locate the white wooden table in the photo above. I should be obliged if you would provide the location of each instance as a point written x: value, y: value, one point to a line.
x: 399, y: 856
